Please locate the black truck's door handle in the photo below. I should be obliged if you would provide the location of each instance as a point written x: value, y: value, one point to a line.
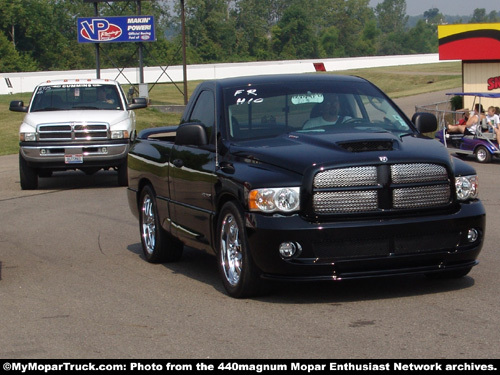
x: 178, y: 163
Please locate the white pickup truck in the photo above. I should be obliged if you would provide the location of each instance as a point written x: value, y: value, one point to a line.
x: 84, y: 124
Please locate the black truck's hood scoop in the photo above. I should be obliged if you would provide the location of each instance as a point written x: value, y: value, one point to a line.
x: 363, y: 146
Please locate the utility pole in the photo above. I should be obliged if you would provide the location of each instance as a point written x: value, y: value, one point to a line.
x: 97, y: 50
x: 184, y: 67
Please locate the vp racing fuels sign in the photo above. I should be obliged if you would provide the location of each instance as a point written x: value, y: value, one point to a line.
x: 116, y: 29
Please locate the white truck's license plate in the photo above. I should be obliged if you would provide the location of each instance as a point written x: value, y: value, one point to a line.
x: 73, y: 159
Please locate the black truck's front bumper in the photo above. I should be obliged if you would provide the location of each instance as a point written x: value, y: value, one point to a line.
x: 367, y: 248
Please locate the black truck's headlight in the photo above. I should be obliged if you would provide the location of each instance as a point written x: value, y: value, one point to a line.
x: 274, y: 199
x: 467, y: 187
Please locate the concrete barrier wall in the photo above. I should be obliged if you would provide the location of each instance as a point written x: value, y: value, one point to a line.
x: 11, y: 83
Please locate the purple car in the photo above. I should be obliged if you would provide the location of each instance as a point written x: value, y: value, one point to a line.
x: 483, y: 144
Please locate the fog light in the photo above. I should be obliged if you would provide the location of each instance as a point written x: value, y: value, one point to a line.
x: 104, y: 150
x: 472, y: 235
x: 43, y: 151
x: 290, y: 249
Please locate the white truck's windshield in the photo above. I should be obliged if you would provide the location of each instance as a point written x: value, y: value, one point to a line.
x: 76, y: 97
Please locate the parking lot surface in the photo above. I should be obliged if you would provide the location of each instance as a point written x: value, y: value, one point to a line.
x: 74, y: 284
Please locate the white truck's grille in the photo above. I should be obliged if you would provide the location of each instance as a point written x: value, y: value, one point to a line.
x: 73, y: 131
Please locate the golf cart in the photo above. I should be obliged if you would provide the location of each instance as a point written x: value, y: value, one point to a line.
x: 483, y: 144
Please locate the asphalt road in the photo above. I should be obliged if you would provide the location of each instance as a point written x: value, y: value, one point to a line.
x: 74, y: 284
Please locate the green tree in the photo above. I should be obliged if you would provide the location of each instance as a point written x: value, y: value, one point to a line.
x: 493, y: 17
x: 370, y: 36
x: 253, y: 25
x: 293, y: 36
x: 41, y: 34
x: 11, y: 60
x: 210, y: 29
x: 341, y: 22
x: 12, y: 14
x: 392, y: 44
x: 274, y: 10
x: 330, y: 44
x: 422, y: 38
x: 356, y: 21
x: 37, y: 30
x: 479, y: 16
x: 391, y: 16
x: 433, y: 16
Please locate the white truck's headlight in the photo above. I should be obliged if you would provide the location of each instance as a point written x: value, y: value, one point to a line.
x: 27, y: 137
x: 274, y: 199
x: 467, y: 187
x: 119, y: 134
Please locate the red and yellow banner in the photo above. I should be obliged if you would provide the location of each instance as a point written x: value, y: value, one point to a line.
x: 474, y: 41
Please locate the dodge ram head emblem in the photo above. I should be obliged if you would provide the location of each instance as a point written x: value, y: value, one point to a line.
x: 383, y: 159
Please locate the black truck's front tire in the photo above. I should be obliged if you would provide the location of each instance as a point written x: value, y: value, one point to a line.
x: 157, y: 245
x: 239, y: 273
x: 27, y: 175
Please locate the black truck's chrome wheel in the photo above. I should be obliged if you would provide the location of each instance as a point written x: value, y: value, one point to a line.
x: 148, y: 227
x: 240, y: 275
x: 230, y: 249
x: 157, y: 245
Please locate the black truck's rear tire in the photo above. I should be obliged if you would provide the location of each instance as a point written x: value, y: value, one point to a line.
x: 27, y: 175
x: 122, y: 174
x: 157, y: 245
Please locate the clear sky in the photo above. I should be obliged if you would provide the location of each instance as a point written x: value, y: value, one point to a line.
x: 447, y: 7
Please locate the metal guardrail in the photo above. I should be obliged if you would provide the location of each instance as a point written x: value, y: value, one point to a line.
x: 27, y: 81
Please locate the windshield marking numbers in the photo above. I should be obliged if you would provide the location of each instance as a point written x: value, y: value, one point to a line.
x: 242, y: 100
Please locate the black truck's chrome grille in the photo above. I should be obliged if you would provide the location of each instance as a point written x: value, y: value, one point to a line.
x: 380, y: 188
x: 418, y: 172
x: 345, y: 201
x: 345, y: 177
x: 421, y: 197
x: 73, y: 131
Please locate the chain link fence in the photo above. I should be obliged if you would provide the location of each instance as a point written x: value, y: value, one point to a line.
x: 443, y: 112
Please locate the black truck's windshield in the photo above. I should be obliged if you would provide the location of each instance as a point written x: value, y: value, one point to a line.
x: 269, y: 110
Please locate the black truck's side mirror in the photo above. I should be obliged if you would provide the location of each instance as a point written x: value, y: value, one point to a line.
x: 424, y: 122
x: 17, y: 106
x: 193, y: 134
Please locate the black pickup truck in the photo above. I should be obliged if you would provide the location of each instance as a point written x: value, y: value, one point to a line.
x: 304, y: 177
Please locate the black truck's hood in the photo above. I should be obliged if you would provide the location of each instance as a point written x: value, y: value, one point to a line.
x: 298, y: 152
